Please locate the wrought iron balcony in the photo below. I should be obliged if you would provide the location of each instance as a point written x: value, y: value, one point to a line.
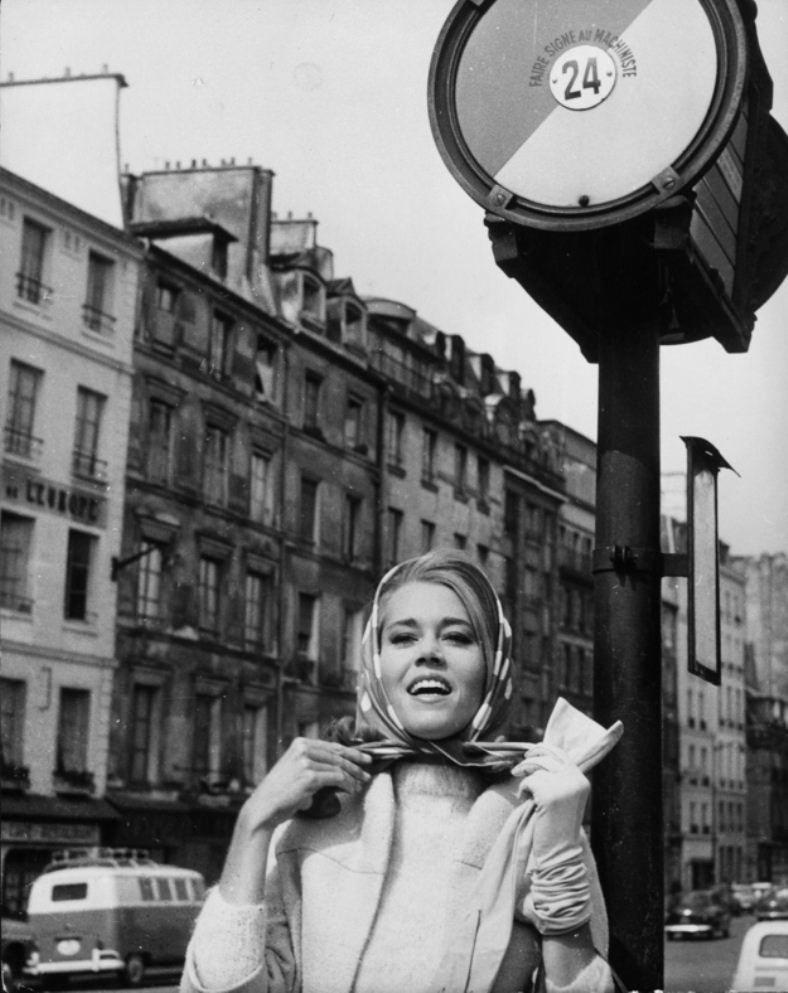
x: 96, y: 320
x: 10, y: 599
x: 88, y: 465
x: 17, y: 441
x: 32, y: 290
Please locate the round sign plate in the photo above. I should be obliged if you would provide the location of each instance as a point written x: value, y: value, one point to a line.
x: 558, y: 114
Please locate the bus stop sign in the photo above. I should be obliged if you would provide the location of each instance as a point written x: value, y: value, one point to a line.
x: 571, y: 116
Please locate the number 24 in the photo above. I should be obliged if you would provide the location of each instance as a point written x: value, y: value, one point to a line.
x: 590, y: 78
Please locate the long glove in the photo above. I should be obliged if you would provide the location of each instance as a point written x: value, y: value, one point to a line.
x: 558, y: 898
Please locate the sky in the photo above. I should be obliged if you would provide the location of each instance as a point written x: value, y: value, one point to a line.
x: 332, y: 96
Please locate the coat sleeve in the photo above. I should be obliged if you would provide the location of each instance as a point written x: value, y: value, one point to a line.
x: 245, y: 949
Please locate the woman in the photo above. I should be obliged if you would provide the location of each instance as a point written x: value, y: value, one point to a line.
x: 448, y: 862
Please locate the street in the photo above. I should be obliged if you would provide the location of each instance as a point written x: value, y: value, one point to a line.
x: 690, y: 966
x: 704, y: 966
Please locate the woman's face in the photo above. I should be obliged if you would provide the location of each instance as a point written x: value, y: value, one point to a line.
x: 431, y: 663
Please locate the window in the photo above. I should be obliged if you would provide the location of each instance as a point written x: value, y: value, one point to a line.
x: 207, y: 734
x: 72, y: 731
x: 149, y: 583
x: 69, y: 891
x: 460, y: 541
x: 163, y: 891
x: 354, y: 324
x: 352, y: 633
x: 306, y: 630
x: 166, y: 297
x: 354, y: 419
x: 394, y: 534
x: 257, y: 609
x: 511, y: 513
x: 427, y: 535
x: 396, y: 437
x: 264, y: 369
x: 78, y: 561
x: 210, y: 574
x: 96, y: 311
x: 144, y: 707
x: 216, y: 465
x: 159, y: 442
x: 312, y: 298
x: 219, y: 345
x: 254, y: 731
x: 260, y: 509
x: 22, y: 395
x: 307, y: 522
x: 429, y: 442
x: 312, y: 384
x: 460, y: 469
x: 29, y: 280
x: 16, y: 536
x: 483, y: 555
x: 351, y: 537
x: 483, y: 477
x: 12, y: 723
x: 85, y: 462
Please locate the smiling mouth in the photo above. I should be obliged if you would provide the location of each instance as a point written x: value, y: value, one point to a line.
x: 429, y: 686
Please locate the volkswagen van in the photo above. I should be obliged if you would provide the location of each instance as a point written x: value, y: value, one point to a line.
x: 763, y: 958
x: 110, y: 911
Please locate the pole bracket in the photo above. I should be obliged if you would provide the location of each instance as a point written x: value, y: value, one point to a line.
x: 628, y: 560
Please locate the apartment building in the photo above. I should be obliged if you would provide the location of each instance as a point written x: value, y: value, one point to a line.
x: 68, y: 288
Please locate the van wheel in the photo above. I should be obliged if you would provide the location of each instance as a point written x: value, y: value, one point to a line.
x: 134, y: 972
x: 9, y: 979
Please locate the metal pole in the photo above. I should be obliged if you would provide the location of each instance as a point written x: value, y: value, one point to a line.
x: 627, y: 786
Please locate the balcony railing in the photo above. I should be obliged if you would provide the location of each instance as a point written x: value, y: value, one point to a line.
x: 393, y: 368
x: 87, y: 465
x: 19, y: 442
x: 11, y: 600
x: 76, y: 781
x: 14, y: 776
x: 96, y: 320
x: 32, y: 290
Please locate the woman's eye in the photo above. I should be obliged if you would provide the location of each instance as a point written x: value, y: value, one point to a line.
x: 459, y: 637
x: 403, y: 638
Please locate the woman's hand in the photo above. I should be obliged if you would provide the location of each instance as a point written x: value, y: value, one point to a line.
x: 559, y: 897
x: 559, y: 789
x: 307, y: 766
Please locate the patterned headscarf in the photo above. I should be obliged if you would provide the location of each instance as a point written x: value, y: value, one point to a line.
x: 374, y: 709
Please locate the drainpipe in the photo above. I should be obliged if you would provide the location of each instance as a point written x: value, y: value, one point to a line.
x: 281, y: 598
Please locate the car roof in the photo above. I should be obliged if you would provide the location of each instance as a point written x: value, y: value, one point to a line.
x: 87, y: 872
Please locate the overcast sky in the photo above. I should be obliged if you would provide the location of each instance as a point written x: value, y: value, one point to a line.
x: 332, y: 96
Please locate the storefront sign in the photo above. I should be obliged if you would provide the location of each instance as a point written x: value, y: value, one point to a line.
x: 49, y: 833
x: 36, y: 492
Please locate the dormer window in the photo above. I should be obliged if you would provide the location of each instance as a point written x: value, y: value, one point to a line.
x: 355, y: 324
x: 312, y: 298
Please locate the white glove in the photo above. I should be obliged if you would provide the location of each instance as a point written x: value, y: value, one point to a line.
x: 559, y: 897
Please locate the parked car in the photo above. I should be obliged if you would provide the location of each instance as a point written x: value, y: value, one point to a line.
x: 18, y: 943
x: 773, y: 907
x: 743, y: 898
x: 110, y: 912
x: 763, y: 958
x: 699, y: 914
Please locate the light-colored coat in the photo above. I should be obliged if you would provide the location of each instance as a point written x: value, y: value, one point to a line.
x: 325, y: 887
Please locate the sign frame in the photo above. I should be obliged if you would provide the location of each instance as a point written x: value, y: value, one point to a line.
x: 731, y: 44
